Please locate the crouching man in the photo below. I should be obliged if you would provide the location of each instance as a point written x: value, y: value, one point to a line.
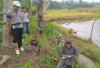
x: 69, y: 52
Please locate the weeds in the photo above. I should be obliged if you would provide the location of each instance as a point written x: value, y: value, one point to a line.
x: 49, y: 61
x: 1, y: 57
x: 97, y: 65
x: 27, y: 64
x: 79, y: 66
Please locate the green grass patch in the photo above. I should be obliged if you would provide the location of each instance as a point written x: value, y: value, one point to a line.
x: 79, y: 66
x: 97, y: 65
x: 73, y: 15
x: 49, y: 61
x: 1, y: 57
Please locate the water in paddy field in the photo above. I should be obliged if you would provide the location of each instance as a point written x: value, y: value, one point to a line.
x: 83, y: 30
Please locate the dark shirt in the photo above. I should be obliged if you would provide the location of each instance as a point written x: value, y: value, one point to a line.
x: 69, y: 51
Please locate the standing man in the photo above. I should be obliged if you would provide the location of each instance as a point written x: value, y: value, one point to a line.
x: 26, y: 20
x: 69, y: 52
x: 15, y: 26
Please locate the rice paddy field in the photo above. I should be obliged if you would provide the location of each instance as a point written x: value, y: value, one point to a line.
x: 72, y: 15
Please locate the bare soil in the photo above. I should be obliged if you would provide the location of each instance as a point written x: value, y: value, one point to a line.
x: 16, y: 60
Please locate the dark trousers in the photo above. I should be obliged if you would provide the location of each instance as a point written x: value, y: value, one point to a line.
x: 25, y: 27
x: 62, y: 63
x: 17, y: 36
x: 68, y: 66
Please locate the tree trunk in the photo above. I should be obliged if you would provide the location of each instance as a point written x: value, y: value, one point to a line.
x: 47, y: 3
x: 40, y: 15
x: 92, y: 29
x: 31, y: 3
x: 7, y: 40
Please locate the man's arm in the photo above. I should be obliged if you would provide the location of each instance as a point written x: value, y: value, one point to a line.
x: 63, y: 52
x: 75, y: 53
x: 9, y: 27
x: 8, y: 19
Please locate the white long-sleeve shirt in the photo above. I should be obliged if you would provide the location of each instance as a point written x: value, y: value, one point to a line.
x: 25, y: 17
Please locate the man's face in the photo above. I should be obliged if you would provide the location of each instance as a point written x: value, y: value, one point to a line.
x: 68, y: 45
x: 16, y: 8
x: 24, y: 9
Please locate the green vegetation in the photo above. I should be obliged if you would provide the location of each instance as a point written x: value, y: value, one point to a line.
x: 72, y: 5
x: 87, y: 48
x: 1, y: 4
x: 71, y: 15
x: 1, y: 57
x: 49, y: 61
x: 79, y: 5
x: 1, y: 25
x: 79, y: 66
x: 49, y: 39
x: 66, y: 5
x: 26, y: 64
x: 97, y: 65
x: 25, y: 3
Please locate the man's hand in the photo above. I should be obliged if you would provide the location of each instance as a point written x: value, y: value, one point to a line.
x: 9, y: 31
x: 66, y: 56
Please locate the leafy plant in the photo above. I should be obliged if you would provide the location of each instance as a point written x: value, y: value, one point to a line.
x: 49, y: 61
x: 27, y: 64
x: 52, y: 32
x: 34, y: 10
x: 56, y: 50
x: 43, y: 42
x: 97, y: 65
x: 83, y: 66
x: 34, y: 29
x: 26, y: 40
x: 13, y: 66
x: 37, y: 66
x: 76, y: 65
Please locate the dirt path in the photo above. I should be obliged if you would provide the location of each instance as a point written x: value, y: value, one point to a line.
x: 24, y: 56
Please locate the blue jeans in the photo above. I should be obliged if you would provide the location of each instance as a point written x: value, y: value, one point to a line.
x: 25, y: 27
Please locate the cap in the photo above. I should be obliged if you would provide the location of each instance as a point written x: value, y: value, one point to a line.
x: 68, y: 41
x: 16, y: 3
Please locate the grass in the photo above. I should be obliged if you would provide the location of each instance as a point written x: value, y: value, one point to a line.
x: 73, y: 15
x: 87, y: 48
x: 76, y: 65
x: 49, y: 61
x: 1, y: 57
x: 97, y: 65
